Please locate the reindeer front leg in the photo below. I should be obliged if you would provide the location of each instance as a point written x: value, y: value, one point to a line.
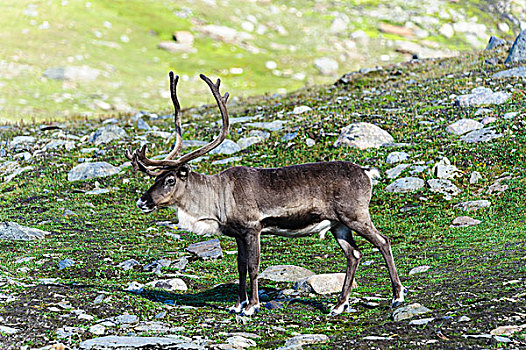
x: 242, y: 269
x: 253, y: 258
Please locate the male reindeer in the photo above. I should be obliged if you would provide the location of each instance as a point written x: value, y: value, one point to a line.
x: 244, y: 203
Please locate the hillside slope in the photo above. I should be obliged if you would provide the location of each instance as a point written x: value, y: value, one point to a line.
x: 110, y: 52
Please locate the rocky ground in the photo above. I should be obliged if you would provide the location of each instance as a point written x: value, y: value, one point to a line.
x: 82, y: 268
x: 75, y: 57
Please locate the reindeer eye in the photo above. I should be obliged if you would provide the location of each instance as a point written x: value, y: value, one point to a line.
x: 170, y: 181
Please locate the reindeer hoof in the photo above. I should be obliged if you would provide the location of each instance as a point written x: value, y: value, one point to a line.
x: 237, y: 309
x: 398, y: 301
x: 250, y: 311
x: 335, y: 311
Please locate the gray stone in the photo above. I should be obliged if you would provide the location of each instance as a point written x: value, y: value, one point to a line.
x: 227, y: 147
x: 363, y: 135
x: 155, y: 266
x: 133, y: 343
x: 261, y: 134
x: 463, y: 319
x: 322, y: 284
x: 406, y: 184
x: 517, y: 72
x: 511, y: 115
x: 125, y: 319
x: 475, y: 177
x: 142, y: 125
x: 473, y: 205
x: 482, y: 111
x: 289, y: 136
x: 275, y: 125
x: 238, y: 341
x: 62, y: 264
x: 57, y: 144
x: 97, y: 329
x: 285, y: 273
x: 326, y: 65
x: 67, y: 332
x: 502, y: 339
x: 156, y: 327
x: 248, y: 141
x: 396, y: 157
x: 86, y: 171
x: 482, y: 96
x: 444, y: 170
x: 135, y: 287
x: 193, y: 143
x: 421, y: 322
x: 107, y: 134
x: 72, y: 73
x: 419, y: 269
x: 409, y: 311
x: 494, y: 42
x: 169, y: 285
x: 12, y: 231
x: 226, y: 160
x: 206, y: 250
x: 172, y: 46
x: 464, y: 221
x: 301, y: 109
x: 128, y: 264
x: 396, y: 171
x: 481, y: 135
x: 306, y: 339
x: 463, y: 126
x: 518, y: 50
x: 488, y: 120
x: 8, y: 330
x: 446, y: 187
x: 19, y: 142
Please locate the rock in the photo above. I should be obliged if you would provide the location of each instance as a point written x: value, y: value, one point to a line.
x: 72, y: 73
x: 275, y: 125
x: 508, y: 330
x: 132, y: 343
x: 67, y: 332
x: 135, y: 287
x: 180, y: 264
x: 322, y: 284
x: 289, y: 136
x: 475, y: 177
x: 397, y: 30
x: 306, y: 339
x: 464, y: 221
x: 142, y: 125
x: 488, y: 120
x: 511, y: 115
x: 86, y: 171
x: 12, y: 231
x: 125, y: 319
x: 169, y: 285
x: 157, y: 327
x: 444, y: 170
x: 421, y: 322
x: 447, y: 30
x: 57, y: 144
x: 517, y: 72
x: 285, y: 273
x: 206, y: 250
x: 326, y: 65
x: 446, y: 187
x: 498, y: 186
x: 462, y: 126
x: 248, y: 141
x: 463, y: 319
x: 301, y: 109
x: 155, y: 266
x: 62, y: 264
x: 482, y: 96
x: 406, y: 184
x: 224, y: 33
x: 227, y: 147
x: 409, y: 311
x: 8, y: 330
x: 363, y: 135
x: 21, y: 142
x: 419, y: 269
x: 107, y: 134
x: 97, y: 329
x: 184, y: 37
x: 494, y: 42
x: 396, y: 157
x: 240, y: 342
x: 227, y: 160
x: 171, y: 46
x: 310, y: 142
x: 473, y: 205
x: 396, y: 171
x: 518, y: 50
x: 339, y: 23
x: 502, y: 339
x: 481, y: 135
x: 129, y: 264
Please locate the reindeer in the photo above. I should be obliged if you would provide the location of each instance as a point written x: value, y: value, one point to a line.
x: 245, y: 203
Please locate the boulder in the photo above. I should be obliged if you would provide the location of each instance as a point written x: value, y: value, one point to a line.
x: 326, y: 65
x: 86, y: 171
x: 72, y: 73
x: 409, y: 311
x: 396, y: 157
x: 210, y: 249
x: 517, y: 72
x: 227, y: 147
x: 473, y: 205
x: 481, y: 135
x: 462, y: 126
x: 446, y: 187
x: 285, y: 273
x: 363, y: 135
x: 463, y: 221
x: 132, y: 343
x: 12, y: 231
x: 518, y: 50
x: 482, y: 96
x: 494, y: 42
x: 169, y: 285
x: 107, y: 134
x: 322, y: 284
x: 406, y: 184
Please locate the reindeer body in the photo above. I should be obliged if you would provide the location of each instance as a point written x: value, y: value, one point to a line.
x: 244, y: 203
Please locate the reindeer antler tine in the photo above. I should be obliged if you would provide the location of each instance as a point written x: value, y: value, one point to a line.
x: 225, y: 97
x: 128, y: 153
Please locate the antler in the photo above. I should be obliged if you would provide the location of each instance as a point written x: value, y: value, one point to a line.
x: 157, y: 167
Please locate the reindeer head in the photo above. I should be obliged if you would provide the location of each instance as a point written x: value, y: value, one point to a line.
x: 171, y: 175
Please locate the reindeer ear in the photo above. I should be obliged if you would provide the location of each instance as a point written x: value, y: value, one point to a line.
x: 183, y: 171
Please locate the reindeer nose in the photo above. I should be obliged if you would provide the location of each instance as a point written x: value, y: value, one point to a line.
x: 145, y: 203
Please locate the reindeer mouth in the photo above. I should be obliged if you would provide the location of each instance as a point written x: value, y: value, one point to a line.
x: 145, y: 207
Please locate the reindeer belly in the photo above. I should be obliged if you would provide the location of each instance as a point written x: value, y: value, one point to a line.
x: 288, y: 229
